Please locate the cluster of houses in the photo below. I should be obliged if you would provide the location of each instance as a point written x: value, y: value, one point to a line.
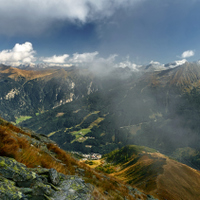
x: 92, y: 156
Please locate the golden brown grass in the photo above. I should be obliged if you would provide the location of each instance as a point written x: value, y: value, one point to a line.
x: 10, y: 126
x: 179, y: 182
x: 19, y: 148
x: 15, y: 73
x: 161, y: 177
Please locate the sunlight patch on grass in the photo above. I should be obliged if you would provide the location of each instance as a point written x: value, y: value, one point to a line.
x: 60, y: 114
x: 93, y: 113
x: 22, y: 118
x: 93, y: 163
x: 80, y: 133
x: 96, y: 122
x: 52, y: 133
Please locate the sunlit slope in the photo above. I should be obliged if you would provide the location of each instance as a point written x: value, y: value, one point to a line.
x: 154, y: 173
x: 16, y: 74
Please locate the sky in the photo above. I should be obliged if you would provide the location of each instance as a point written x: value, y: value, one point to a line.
x: 89, y: 32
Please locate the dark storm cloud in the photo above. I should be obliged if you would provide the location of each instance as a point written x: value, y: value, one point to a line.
x: 33, y: 16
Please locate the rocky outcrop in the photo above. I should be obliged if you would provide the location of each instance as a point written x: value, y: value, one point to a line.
x: 17, y: 182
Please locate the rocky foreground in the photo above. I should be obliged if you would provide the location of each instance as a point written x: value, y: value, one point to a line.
x: 18, y: 182
x: 33, y: 167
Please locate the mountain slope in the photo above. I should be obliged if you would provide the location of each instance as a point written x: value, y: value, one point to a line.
x: 27, y: 93
x: 185, y: 76
x: 33, y: 167
x: 145, y: 170
x: 154, y: 173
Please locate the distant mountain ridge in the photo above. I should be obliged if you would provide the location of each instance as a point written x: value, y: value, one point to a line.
x: 185, y: 76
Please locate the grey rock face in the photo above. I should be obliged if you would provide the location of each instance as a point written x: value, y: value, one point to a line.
x: 54, y: 176
x: 17, y: 182
x: 11, y: 169
x: 73, y: 188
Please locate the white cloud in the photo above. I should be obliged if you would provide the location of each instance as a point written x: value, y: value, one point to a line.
x: 20, y: 54
x: 91, y: 60
x: 56, y: 59
x: 155, y: 66
x: 155, y: 63
x: 84, y: 57
x: 127, y: 63
x: 32, y: 16
x: 187, y: 54
x: 180, y: 62
x: 24, y: 54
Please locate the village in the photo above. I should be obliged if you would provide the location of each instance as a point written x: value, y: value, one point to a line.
x: 90, y: 156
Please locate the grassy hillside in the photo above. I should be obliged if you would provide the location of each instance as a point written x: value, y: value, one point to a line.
x: 152, y: 172
x: 36, y: 151
x: 134, y: 171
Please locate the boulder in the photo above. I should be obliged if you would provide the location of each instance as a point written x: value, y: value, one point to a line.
x: 73, y: 188
x: 54, y: 176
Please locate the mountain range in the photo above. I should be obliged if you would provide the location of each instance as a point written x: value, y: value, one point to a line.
x: 158, y: 109
x: 82, y: 110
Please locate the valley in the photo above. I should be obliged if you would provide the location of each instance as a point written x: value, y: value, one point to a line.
x: 149, y: 118
x: 155, y: 109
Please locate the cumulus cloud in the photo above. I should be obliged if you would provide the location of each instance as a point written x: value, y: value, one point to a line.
x: 187, y: 54
x: 155, y: 66
x: 25, y: 54
x: 155, y: 63
x: 84, y: 57
x: 20, y: 54
x: 31, y: 16
x: 56, y: 59
x: 94, y: 62
x: 127, y: 63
